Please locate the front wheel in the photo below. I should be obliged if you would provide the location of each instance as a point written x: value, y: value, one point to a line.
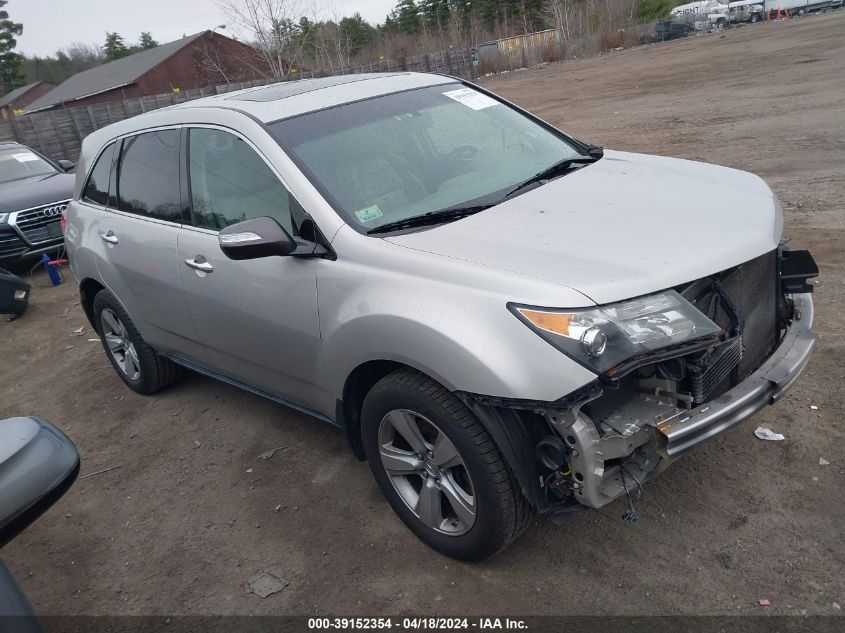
x: 439, y: 469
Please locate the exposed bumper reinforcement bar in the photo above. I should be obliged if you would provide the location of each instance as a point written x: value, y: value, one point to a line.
x: 690, y: 428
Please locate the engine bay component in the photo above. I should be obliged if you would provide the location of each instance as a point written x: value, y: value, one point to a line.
x: 713, y: 368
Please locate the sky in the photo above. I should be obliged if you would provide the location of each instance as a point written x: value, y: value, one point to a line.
x: 52, y: 24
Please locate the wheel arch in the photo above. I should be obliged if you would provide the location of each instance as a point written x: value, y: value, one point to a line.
x: 356, y: 387
x: 88, y: 289
x: 513, y: 431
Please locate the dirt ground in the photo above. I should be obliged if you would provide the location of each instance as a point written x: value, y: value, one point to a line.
x: 192, y: 513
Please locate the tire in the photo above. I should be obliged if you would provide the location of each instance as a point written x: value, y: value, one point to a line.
x: 137, y: 364
x: 754, y: 18
x: 423, y: 491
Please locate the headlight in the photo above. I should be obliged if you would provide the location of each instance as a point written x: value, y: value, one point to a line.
x: 603, y: 337
x: 3, y: 218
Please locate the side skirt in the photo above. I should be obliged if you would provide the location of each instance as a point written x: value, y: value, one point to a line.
x: 202, y: 369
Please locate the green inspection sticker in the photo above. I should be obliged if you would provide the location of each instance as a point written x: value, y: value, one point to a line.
x: 368, y: 214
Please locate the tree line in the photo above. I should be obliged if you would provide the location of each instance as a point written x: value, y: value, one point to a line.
x: 291, y: 35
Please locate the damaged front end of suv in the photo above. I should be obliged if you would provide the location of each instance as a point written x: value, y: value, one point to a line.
x: 675, y: 369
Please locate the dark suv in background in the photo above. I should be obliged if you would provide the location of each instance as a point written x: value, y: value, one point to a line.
x: 668, y: 30
x: 33, y: 193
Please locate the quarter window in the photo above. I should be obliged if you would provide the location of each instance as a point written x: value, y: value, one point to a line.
x: 148, y: 179
x: 97, y: 189
x: 230, y: 183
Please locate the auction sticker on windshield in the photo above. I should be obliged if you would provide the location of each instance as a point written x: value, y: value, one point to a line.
x: 368, y: 214
x: 25, y: 157
x: 471, y: 98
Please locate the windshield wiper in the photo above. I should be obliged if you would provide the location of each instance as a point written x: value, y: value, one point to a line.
x: 430, y: 218
x: 558, y: 169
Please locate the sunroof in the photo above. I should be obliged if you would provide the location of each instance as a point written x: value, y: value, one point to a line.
x: 301, y: 86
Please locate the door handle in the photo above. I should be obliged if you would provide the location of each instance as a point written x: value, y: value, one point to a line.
x: 109, y: 237
x: 200, y: 263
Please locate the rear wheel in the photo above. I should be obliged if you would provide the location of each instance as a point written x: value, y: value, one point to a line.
x: 439, y: 469
x: 137, y: 364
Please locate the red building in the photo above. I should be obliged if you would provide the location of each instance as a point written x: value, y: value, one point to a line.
x: 203, y: 59
x: 21, y: 97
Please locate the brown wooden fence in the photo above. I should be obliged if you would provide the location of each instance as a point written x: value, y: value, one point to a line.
x: 6, y: 131
x: 58, y: 133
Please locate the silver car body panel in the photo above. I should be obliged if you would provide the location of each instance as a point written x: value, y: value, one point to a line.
x: 141, y: 268
x: 255, y: 320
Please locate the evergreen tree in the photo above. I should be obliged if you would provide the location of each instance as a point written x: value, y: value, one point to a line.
x: 407, y: 16
x: 146, y: 41
x: 358, y: 30
x: 115, y: 47
x: 10, y: 62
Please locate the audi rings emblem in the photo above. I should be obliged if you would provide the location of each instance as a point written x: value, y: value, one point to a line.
x: 53, y: 212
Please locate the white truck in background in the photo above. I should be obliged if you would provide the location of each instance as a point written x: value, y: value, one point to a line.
x: 694, y: 11
x: 705, y: 13
x: 800, y: 7
x: 702, y: 14
x: 750, y: 11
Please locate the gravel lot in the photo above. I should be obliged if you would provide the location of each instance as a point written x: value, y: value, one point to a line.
x: 192, y: 513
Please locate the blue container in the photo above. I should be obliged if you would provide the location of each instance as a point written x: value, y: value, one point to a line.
x: 55, y: 277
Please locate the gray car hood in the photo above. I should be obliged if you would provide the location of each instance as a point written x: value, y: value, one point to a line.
x: 625, y: 226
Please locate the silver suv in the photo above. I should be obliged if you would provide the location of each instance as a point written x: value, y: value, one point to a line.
x: 501, y: 318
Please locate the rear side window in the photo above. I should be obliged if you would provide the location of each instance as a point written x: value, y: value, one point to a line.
x: 97, y: 189
x: 230, y: 183
x: 148, y: 178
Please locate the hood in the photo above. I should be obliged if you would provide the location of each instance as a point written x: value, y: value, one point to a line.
x: 34, y: 192
x: 627, y: 225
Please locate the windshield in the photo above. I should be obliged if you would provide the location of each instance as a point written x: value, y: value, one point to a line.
x: 20, y: 162
x: 406, y: 154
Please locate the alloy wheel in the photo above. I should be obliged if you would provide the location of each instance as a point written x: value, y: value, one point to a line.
x: 427, y: 472
x: 120, y: 347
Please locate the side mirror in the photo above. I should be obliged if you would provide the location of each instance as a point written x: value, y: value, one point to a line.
x: 38, y: 463
x: 66, y: 165
x: 256, y: 238
x: 595, y: 151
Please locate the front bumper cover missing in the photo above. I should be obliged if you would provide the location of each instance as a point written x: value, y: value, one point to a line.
x: 765, y: 386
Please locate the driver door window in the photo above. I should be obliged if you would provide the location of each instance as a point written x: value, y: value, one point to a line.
x: 230, y: 183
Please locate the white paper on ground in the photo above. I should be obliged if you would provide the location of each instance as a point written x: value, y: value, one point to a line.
x: 767, y: 434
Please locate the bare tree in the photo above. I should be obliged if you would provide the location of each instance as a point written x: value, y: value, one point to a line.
x: 213, y: 63
x: 270, y: 25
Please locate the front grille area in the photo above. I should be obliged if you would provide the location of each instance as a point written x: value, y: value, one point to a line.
x: 741, y: 300
x: 11, y: 245
x: 42, y: 224
x: 753, y: 288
